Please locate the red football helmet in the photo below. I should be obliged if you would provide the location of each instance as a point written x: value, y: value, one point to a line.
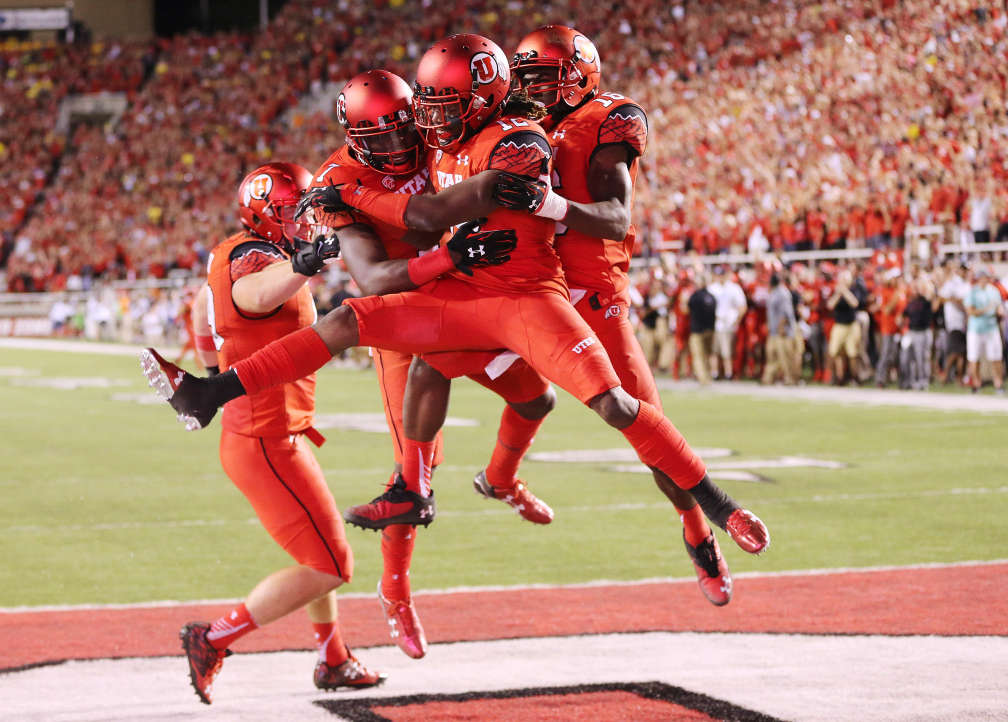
x: 267, y: 199
x: 376, y: 110
x: 557, y: 63
x: 462, y: 82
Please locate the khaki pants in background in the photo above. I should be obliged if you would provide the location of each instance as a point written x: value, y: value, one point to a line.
x: 779, y: 359
x: 701, y: 347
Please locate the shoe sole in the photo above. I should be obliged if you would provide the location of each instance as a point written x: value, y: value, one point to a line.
x: 373, y: 525
x: 157, y: 379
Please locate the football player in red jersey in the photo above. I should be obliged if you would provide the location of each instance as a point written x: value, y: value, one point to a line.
x: 257, y: 292
x: 384, y: 151
x: 597, y: 139
x: 462, y: 85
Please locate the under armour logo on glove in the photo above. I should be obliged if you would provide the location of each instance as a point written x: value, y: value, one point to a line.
x: 312, y: 257
x: 474, y: 248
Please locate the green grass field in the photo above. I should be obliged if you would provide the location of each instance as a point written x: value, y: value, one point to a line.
x: 109, y: 500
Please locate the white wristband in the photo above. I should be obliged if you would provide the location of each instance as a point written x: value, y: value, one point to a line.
x: 554, y: 206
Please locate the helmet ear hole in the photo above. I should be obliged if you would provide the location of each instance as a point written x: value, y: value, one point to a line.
x: 256, y: 219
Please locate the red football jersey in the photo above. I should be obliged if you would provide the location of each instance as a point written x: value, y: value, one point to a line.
x: 517, y: 145
x: 595, y: 263
x: 281, y: 410
x: 342, y: 167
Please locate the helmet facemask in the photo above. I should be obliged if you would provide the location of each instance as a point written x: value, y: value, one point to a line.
x: 390, y: 147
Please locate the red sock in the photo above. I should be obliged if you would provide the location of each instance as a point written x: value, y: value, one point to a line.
x: 286, y: 359
x: 694, y: 524
x: 397, y: 552
x: 330, y: 644
x: 233, y: 625
x: 513, y: 439
x: 417, y: 459
x: 660, y: 445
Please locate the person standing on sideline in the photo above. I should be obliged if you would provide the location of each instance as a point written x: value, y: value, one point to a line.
x: 731, y: 307
x: 780, y: 330
x: 983, y: 334
x: 702, y: 319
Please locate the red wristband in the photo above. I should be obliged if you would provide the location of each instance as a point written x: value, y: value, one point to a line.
x: 205, y: 343
x: 382, y: 205
x: 429, y: 266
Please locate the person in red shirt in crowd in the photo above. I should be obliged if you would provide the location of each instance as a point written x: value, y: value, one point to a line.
x: 680, y: 308
x: 462, y: 87
x: 888, y: 302
x: 257, y: 292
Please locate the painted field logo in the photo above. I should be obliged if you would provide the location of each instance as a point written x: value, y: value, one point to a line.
x: 582, y: 345
x: 722, y: 464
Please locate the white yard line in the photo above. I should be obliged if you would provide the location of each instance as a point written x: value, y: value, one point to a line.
x: 520, y: 587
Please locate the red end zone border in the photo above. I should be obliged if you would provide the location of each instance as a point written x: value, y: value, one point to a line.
x: 953, y: 600
x: 642, y: 702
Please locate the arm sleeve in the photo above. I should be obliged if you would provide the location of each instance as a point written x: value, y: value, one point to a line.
x: 525, y: 153
x: 627, y: 125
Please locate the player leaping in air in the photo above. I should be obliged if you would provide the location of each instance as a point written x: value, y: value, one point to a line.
x: 384, y: 151
x: 523, y: 305
x: 597, y: 138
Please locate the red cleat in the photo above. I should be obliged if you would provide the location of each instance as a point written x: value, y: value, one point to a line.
x: 748, y: 531
x: 518, y: 497
x: 204, y: 659
x: 398, y: 505
x: 351, y: 674
x: 712, y: 572
x: 404, y: 626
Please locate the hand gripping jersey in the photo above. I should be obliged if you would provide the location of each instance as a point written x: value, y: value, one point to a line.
x: 281, y: 410
x: 342, y: 167
x: 517, y: 145
x: 594, y: 263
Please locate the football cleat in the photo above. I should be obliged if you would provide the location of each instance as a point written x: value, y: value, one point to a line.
x: 176, y: 386
x: 398, y: 505
x: 712, y: 572
x: 204, y: 659
x: 526, y: 504
x: 748, y: 531
x: 351, y: 674
x: 404, y: 626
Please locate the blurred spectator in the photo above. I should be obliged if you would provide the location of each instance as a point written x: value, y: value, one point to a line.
x: 952, y: 295
x: 702, y: 314
x: 919, y: 314
x: 888, y: 304
x: 731, y: 306
x: 844, y: 348
x: 983, y: 333
x: 781, y: 327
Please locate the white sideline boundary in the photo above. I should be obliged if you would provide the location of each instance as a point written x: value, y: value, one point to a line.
x: 521, y: 587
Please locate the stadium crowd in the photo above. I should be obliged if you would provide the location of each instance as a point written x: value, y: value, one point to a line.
x: 775, y: 126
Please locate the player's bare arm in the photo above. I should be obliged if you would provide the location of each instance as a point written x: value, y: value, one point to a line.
x: 264, y: 290
x: 611, y: 188
x: 205, y: 348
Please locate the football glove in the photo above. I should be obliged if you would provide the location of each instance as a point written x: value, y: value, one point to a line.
x: 311, y: 257
x: 476, y: 248
x: 327, y: 199
x: 521, y: 193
